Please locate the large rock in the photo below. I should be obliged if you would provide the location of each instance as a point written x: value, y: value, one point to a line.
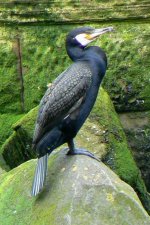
x: 102, y: 133
x: 79, y: 190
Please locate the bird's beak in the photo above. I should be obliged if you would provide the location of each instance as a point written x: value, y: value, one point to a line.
x: 97, y: 32
x: 85, y: 38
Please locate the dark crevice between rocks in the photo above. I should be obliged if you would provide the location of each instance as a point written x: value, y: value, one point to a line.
x: 139, y: 141
x: 137, y: 130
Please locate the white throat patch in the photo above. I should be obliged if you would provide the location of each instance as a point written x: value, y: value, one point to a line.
x: 81, y: 38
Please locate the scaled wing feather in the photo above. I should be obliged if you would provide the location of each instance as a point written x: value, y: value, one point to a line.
x: 61, y: 96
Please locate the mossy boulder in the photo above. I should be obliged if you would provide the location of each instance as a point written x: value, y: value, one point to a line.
x: 101, y: 130
x: 79, y: 190
x: 102, y: 133
x: 18, y: 145
x: 6, y: 121
x: 119, y: 156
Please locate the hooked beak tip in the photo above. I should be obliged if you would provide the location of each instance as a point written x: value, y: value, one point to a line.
x: 101, y: 31
x: 111, y: 28
x: 107, y: 29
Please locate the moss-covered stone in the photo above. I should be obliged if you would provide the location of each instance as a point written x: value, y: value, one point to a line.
x: 18, y: 145
x: 79, y: 190
x: 102, y: 133
x: 137, y: 129
x: 17, y: 148
x: 6, y: 121
x: 119, y: 156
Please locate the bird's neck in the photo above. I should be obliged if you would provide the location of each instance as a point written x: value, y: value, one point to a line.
x: 93, y: 54
x: 75, y: 52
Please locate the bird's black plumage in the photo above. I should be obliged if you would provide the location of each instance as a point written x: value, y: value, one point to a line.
x: 69, y: 100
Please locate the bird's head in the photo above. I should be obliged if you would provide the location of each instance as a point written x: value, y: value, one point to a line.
x: 85, y: 35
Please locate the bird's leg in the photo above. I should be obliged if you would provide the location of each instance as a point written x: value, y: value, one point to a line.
x: 79, y: 151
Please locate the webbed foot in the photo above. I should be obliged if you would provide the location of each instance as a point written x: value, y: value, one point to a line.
x: 81, y: 151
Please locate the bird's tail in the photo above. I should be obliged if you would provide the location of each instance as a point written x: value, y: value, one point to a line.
x: 40, y: 175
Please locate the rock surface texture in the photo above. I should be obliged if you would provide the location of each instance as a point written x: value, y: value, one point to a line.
x: 79, y: 190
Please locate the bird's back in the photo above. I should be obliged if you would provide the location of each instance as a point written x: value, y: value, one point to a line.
x: 62, y: 96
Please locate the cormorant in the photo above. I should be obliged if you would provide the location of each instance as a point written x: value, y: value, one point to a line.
x: 69, y: 100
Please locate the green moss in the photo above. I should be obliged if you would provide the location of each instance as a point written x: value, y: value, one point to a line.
x: 9, y: 86
x: 103, y: 133
x: 83, y: 201
x: 18, y: 145
x: 27, y: 122
x: 127, y: 79
x: 119, y: 156
x: 65, y: 12
x: 6, y: 121
x: 15, y: 209
x: 44, y: 57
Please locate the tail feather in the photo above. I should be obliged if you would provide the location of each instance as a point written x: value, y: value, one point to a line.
x: 40, y: 175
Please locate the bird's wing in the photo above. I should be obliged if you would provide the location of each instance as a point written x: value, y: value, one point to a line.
x: 65, y: 94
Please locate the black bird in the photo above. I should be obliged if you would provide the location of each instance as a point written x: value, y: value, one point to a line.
x: 69, y: 100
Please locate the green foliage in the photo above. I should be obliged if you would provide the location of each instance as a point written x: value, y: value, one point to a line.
x: 40, y: 47
x: 41, y: 62
x: 9, y: 85
x: 44, y: 58
x: 127, y: 79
